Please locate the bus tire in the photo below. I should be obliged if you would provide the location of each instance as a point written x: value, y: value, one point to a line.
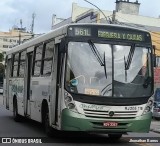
x: 47, y: 127
x: 114, y: 136
x: 157, y: 118
x: 16, y: 116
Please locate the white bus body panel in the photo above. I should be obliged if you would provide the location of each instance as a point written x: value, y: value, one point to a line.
x: 53, y: 88
x: 17, y: 89
x: 40, y: 89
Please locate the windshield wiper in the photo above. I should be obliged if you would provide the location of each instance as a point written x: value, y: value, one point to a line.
x: 101, y: 61
x: 104, y: 61
x: 129, y: 59
x: 127, y: 63
x: 96, y: 53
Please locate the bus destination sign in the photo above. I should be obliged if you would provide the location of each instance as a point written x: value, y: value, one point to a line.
x: 122, y: 35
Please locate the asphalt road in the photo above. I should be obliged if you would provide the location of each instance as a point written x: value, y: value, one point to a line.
x: 28, y: 128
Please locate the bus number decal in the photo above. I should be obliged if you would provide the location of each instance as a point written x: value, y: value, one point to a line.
x: 133, y: 108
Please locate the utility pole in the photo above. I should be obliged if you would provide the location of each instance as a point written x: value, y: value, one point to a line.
x: 20, y: 31
x: 21, y: 23
x: 19, y: 37
x: 114, y: 17
x: 32, y: 25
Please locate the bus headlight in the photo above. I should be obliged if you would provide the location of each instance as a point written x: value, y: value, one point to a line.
x: 71, y: 105
x: 68, y: 99
x: 69, y: 102
x: 148, y: 106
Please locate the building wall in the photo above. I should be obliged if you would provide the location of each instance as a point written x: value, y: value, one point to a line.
x: 148, y: 23
x: 156, y: 42
x: 138, y: 19
x: 127, y: 7
x: 12, y: 38
x: 62, y: 23
x: 86, y: 15
x: 78, y: 12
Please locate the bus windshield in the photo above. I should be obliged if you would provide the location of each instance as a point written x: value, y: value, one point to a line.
x: 108, y: 70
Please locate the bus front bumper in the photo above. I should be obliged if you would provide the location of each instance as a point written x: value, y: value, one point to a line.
x: 72, y: 121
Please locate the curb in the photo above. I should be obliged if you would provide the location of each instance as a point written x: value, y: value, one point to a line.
x: 155, y: 130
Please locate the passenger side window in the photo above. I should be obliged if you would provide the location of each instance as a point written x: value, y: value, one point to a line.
x: 37, y: 60
x: 15, y: 65
x: 47, y: 58
x: 22, y: 63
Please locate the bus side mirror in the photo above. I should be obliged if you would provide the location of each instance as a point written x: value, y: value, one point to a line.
x: 63, y: 45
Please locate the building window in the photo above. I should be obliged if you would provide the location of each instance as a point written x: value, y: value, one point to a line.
x: 5, y: 46
x: 4, y: 39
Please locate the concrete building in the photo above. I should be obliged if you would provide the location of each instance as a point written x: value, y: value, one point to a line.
x: 127, y: 7
x: 14, y: 37
x: 125, y: 13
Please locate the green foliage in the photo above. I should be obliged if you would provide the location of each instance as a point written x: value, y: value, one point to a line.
x: 1, y: 70
x: 1, y: 57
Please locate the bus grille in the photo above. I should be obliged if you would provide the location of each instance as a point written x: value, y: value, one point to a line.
x: 105, y: 114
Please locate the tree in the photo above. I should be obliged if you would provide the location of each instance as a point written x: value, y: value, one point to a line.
x: 1, y: 72
x: 1, y: 57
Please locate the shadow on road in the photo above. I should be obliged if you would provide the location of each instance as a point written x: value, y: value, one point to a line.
x: 31, y: 129
x: 84, y: 138
x: 68, y: 137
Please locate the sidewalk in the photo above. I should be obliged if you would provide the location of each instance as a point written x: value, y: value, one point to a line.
x: 155, y: 126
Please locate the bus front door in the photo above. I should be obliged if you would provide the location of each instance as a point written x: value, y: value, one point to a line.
x: 8, y: 84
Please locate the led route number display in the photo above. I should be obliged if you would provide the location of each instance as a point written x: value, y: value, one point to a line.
x: 82, y: 31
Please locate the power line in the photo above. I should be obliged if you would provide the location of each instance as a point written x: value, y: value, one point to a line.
x: 97, y: 8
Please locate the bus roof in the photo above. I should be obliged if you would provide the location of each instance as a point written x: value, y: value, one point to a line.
x: 61, y: 31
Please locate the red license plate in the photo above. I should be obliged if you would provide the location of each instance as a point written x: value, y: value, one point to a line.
x: 110, y: 124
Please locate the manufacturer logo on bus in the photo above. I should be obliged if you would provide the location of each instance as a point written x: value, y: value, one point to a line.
x: 111, y: 113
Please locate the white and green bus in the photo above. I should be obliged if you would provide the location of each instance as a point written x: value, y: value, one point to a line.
x: 83, y: 77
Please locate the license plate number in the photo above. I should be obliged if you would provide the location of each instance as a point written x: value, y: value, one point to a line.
x: 110, y: 124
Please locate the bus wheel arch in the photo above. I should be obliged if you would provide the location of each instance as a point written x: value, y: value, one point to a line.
x: 16, y: 116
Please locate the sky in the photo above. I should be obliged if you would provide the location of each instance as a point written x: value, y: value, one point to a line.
x: 11, y: 11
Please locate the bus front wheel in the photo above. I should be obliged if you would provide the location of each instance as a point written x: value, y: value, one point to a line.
x: 16, y: 116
